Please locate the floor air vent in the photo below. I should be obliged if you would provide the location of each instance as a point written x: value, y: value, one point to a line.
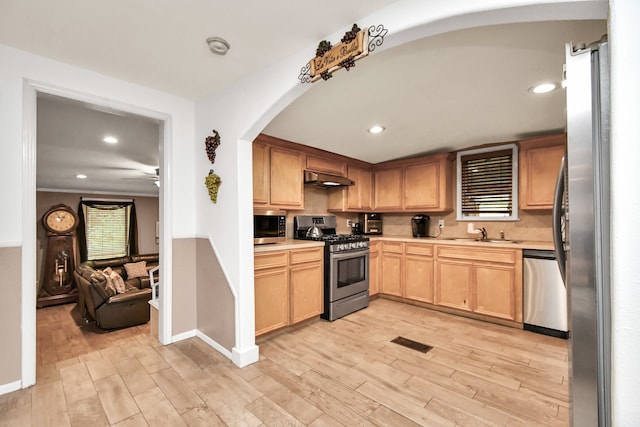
x: 414, y: 345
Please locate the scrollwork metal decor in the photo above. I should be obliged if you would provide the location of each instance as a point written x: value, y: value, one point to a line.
x: 376, y: 36
x: 355, y: 44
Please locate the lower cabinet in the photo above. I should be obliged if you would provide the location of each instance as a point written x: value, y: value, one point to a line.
x: 485, y: 281
x: 418, y: 265
x: 407, y: 270
x: 374, y: 268
x: 288, y: 287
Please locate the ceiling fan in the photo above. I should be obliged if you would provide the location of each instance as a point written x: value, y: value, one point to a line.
x: 153, y: 176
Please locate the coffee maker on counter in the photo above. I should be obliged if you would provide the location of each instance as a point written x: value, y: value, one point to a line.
x: 420, y: 225
x: 371, y: 223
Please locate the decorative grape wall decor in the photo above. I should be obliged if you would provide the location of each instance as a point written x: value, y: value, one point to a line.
x: 355, y: 44
x: 212, y: 181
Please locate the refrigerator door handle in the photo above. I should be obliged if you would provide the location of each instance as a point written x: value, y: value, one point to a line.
x: 557, y: 214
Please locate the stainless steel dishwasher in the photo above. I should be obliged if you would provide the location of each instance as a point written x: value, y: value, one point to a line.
x: 545, y: 295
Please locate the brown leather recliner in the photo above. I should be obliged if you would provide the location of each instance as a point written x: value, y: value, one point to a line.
x: 113, y: 310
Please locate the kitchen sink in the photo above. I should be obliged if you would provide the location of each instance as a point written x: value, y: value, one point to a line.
x: 462, y: 239
x: 469, y: 239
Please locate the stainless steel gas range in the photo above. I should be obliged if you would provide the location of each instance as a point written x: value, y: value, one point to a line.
x: 346, y: 264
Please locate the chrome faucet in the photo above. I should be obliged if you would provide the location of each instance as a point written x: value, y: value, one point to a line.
x: 484, y: 233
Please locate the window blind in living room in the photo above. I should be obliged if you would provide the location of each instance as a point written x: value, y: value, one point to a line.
x: 107, y: 229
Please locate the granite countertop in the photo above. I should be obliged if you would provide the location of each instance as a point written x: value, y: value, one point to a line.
x: 288, y: 244
x: 517, y: 244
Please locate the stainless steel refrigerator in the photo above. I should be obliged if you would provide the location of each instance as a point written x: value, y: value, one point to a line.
x: 581, y: 232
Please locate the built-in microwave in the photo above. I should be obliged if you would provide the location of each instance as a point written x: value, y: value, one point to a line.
x: 269, y: 226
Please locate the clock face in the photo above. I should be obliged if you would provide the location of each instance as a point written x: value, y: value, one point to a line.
x: 60, y: 221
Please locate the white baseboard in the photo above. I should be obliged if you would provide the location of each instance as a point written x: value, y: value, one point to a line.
x: 214, y: 344
x: 10, y: 387
x: 185, y: 335
x: 245, y: 357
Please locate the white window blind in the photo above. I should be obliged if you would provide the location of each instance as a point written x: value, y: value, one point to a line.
x: 487, y: 180
x: 107, y: 231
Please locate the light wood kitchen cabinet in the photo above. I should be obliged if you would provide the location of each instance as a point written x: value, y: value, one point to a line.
x: 306, y: 282
x: 261, y: 174
x: 391, y: 268
x: 418, y: 265
x: 289, y: 287
x: 271, y: 283
x: 388, y: 189
x: 329, y: 164
x: 427, y: 184
x: 485, y: 281
x: 539, y: 163
x: 357, y: 197
x: 453, y: 284
x: 286, y: 179
x: 415, y: 185
x: 277, y: 176
x: 407, y: 270
x: 374, y: 268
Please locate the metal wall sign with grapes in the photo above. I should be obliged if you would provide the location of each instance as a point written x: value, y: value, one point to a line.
x: 355, y: 44
x: 212, y: 181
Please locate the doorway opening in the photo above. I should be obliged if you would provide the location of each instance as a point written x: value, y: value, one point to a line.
x: 55, y: 154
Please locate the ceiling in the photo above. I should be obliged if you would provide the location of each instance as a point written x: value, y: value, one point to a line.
x: 441, y: 93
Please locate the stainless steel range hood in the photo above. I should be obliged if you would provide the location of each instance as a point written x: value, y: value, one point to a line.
x: 326, y: 180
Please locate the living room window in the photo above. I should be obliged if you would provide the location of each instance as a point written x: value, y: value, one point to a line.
x: 107, y: 229
x: 487, y: 183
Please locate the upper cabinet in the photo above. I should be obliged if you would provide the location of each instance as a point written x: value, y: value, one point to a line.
x: 277, y: 175
x: 330, y: 163
x: 420, y: 184
x: 357, y: 197
x: 539, y: 164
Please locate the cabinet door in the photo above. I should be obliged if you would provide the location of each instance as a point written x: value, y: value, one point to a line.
x: 418, y: 283
x: 359, y: 195
x: 325, y: 164
x: 391, y: 283
x: 422, y: 186
x: 453, y: 284
x: 260, y: 173
x: 374, y: 269
x: 494, y: 291
x: 286, y: 178
x: 540, y: 160
x: 306, y: 283
x: 388, y: 189
x: 271, y: 299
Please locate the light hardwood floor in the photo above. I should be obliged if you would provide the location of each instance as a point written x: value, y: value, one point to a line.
x: 345, y: 372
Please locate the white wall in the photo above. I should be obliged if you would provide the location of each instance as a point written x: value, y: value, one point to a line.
x: 17, y: 224
x: 624, y: 33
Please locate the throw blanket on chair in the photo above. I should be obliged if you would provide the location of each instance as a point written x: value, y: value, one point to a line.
x: 114, y: 281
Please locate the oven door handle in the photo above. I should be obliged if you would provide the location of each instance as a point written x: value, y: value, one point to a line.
x: 349, y: 254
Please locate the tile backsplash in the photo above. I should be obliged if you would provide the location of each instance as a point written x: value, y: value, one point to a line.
x: 535, y: 226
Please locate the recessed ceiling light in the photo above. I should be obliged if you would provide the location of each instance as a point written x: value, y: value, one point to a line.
x: 110, y: 139
x: 218, y: 45
x: 544, y: 88
x: 81, y: 176
x: 376, y: 129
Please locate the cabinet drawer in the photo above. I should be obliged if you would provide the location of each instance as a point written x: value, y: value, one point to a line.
x: 418, y: 249
x: 299, y: 256
x: 270, y: 260
x: 392, y: 247
x: 477, y: 254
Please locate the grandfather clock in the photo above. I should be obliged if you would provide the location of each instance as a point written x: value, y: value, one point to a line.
x: 57, y: 282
